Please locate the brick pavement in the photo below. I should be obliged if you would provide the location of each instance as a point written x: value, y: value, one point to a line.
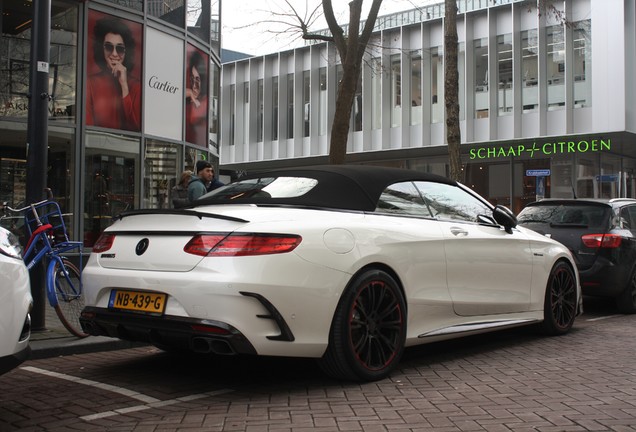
x: 508, y: 381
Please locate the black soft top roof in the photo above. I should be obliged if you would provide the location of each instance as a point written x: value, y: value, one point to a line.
x: 346, y: 187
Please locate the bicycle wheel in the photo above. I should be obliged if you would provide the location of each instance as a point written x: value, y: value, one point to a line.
x: 68, y: 292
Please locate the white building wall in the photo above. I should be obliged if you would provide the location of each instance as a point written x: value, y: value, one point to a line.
x: 613, y: 46
x: 609, y: 64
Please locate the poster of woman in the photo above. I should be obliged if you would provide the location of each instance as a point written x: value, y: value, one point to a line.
x: 113, y: 87
x: 196, y: 97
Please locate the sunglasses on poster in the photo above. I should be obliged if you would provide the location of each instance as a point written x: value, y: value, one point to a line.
x: 120, y: 48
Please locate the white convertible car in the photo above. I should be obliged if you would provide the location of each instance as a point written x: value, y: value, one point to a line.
x: 15, y: 304
x: 345, y: 264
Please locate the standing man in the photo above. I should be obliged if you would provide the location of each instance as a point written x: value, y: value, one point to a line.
x: 214, y: 183
x: 202, y: 176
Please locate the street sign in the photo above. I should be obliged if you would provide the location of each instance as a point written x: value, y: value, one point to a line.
x: 538, y: 173
x: 607, y: 178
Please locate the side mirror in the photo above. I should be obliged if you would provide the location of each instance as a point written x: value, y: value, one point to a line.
x: 505, y: 217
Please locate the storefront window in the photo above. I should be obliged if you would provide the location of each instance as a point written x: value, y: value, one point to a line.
x: 491, y: 180
x: 529, y: 70
x: 434, y: 165
x: 561, y: 185
x: 13, y: 171
x: 416, y: 88
x: 13, y: 163
x: 15, y: 48
x: 555, y: 63
x: 504, y: 72
x: 628, y: 178
x: 582, y: 62
x: 609, y: 185
x: 111, y: 175
x: 480, y: 55
x: 163, y: 163
x: 587, y: 168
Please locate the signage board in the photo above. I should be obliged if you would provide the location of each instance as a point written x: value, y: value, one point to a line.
x: 538, y: 173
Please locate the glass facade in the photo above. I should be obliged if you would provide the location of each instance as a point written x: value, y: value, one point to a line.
x: 504, y: 74
x: 582, y: 57
x: 480, y: 72
x: 134, y: 142
x: 437, y: 84
x: 555, y: 65
x: 529, y: 70
x: 416, y: 88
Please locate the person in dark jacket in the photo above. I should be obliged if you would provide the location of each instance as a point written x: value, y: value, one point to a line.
x: 180, y: 190
x: 197, y: 186
x: 214, y: 183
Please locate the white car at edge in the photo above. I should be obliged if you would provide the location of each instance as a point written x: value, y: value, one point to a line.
x: 345, y: 264
x: 15, y: 304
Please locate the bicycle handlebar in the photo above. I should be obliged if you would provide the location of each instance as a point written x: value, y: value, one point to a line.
x: 24, y: 208
x: 49, y: 195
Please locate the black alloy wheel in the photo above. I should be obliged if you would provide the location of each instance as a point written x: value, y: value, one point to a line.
x: 560, y: 307
x: 368, y: 331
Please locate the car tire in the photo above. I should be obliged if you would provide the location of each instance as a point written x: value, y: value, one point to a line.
x: 626, y: 301
x: 368, y: 331
x: 560, y: 304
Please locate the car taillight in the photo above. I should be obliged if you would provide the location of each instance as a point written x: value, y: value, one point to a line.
x: 241, y: 244
x: 104, y: 242
x: 601, y: 240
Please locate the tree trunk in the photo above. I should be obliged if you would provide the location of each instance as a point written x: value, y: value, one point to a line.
x: 342, y: 116
x: 351, y: 49
x: 451, y: 90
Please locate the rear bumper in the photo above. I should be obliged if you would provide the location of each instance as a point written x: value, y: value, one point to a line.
x: 605, y: 279
x: 170, y: 332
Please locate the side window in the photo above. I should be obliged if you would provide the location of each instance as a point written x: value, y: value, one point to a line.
x: 402, y: 198
x: 449, y: 202
x: 631, y: 217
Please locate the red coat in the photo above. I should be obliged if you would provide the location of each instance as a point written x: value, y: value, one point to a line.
x: 106, y: 108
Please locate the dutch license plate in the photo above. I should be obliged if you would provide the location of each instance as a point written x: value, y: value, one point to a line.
x: 138, y: 301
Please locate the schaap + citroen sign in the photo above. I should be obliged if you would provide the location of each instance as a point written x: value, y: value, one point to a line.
x: 540, y: 150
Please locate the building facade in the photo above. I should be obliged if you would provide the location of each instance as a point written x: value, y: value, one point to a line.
x: 134, y: 88
x: 546, y: 100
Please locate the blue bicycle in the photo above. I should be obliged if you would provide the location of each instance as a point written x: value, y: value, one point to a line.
x: 48, y: 241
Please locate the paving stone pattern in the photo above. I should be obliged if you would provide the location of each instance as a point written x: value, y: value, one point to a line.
x: 508, y: 381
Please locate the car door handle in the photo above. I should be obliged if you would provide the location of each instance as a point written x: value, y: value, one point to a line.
x: 458, y: 232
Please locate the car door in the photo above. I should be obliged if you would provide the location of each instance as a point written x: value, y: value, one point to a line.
x: 488, y: 269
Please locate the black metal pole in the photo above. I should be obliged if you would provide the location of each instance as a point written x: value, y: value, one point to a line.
x: 37, y: 137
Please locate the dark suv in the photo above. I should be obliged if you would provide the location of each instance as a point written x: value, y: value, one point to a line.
x: 602, y: 237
